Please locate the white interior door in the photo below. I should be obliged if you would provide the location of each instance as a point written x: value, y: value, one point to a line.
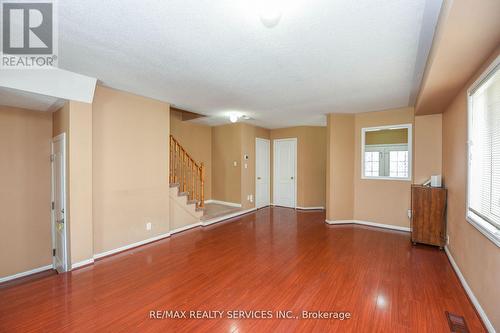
x: 59, y: 225
x: 262, y: 173
x: 285, y: 175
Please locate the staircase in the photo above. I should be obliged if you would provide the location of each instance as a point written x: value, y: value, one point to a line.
x: 186, y: 178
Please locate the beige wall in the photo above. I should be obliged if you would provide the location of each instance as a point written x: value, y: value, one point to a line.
x: 467, y: 32
x: 60, y: 121
x: 428, y: 147
x: 349, y: 196
x: 25, y: 240
x: 476, y: 256
x: 231, y: 142
x: 197, y: 140
x: 80, y: 182
x: 75, y: 119
x: 130, y: 168
x: 226, y: 149
x: 248, y: 135
x: 380, y: 201
x: 311, y: 163
x: 340, y: 167
x: 180, y: 213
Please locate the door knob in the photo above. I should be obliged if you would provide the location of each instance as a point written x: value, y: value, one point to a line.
x: 258, y: 178
x: 291, y: 177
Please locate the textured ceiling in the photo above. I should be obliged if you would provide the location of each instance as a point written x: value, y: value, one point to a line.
x: 30, y: 101
x: 213, y: 57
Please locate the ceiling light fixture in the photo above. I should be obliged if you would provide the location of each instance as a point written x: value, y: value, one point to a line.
x: 270, y: 12
x: 233, y: 117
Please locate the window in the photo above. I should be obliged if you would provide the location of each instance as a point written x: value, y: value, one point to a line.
x: 372, y: 163
x: 398, y: 163
x: 483, y: 190
x: 386, y: 152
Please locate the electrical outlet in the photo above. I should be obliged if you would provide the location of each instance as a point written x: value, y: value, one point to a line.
x: 148, y: 226
x: 235, y: 163
x: 447, y: 239
x: 409, y: 214
x: 251, y: 197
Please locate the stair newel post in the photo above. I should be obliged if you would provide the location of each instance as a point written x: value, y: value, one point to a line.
x: 170, y: 159
x: 192, y: 180
x: 190, y: 171
x: 171, y: 165
x: 175, y: 162
x: 195, y: 180
x: 184, y: 170
x: 180, y: 168
x: 187, y: 175
x: 202, y: 180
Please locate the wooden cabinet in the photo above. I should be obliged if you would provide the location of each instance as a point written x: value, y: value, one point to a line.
x: 428, y: 223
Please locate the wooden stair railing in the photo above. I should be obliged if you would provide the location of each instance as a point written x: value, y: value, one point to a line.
x: 187, y: 173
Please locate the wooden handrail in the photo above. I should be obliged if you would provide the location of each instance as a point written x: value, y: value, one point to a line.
x: 187, y: 173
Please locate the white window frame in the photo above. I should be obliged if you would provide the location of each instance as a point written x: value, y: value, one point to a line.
x: 374, y: 149
x: 486, y: 228
x: 384, y: 160
x: 410, y: 151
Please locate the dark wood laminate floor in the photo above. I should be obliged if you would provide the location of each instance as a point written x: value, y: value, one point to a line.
x: 274, y: 259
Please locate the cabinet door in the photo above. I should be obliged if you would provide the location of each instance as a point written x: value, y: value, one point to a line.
x: 436, y: 211
x: 418, y: 214
x: 428, y: 206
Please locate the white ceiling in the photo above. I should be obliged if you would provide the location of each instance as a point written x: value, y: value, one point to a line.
x: 28, y: 100
x: 213, y: 57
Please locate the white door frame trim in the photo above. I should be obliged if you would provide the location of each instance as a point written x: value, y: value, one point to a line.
x: 274, y: 169
x: 66, y: 255
x: 269, y: 175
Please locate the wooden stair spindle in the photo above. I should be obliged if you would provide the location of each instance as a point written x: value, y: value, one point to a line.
x: 186, y: 173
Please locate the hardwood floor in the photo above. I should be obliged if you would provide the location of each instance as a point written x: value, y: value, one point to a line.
x: 273, y: 259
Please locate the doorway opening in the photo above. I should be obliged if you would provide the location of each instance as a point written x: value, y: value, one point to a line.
x: 60, y: 258
x: 262, y: 173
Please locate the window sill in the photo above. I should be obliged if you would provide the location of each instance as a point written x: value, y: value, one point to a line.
x: 386, y: 178
x: 492, y: 233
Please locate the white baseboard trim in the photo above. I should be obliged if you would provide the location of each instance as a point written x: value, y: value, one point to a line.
x: 468, y: 290
x: 184, y: 228
x: 226, y: 217
x: 231, y: 204
x: 22, y: 274
x: 310, y: 208
x: 371, y: 224
x: 82, y: 263
x: 130, y: 246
